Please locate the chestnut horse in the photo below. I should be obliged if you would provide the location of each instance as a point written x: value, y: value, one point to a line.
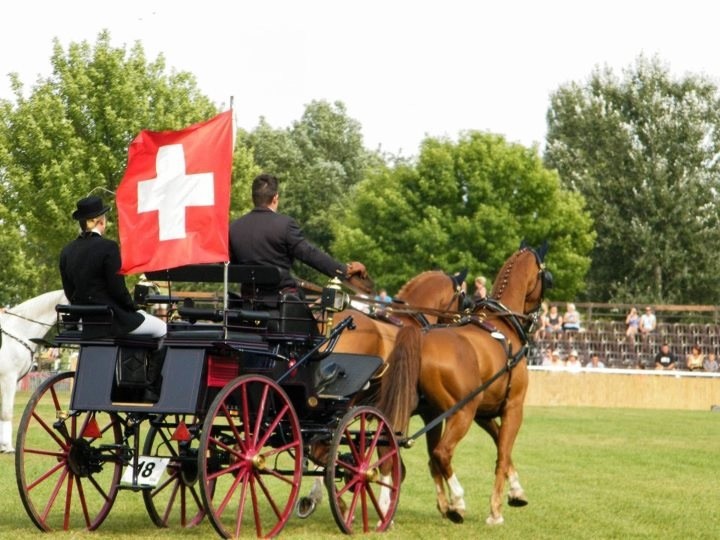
x: 425, y: 299
x: 478, y: 367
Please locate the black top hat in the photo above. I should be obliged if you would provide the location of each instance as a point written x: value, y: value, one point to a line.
x: 90, y: 207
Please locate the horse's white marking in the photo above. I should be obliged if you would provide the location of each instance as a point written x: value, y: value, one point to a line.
x: 5, y: 436
x: 516, y: 490
x: 495, y: 521
x: 384, y: 499
x: 31, y: 319
x: 457, y: 493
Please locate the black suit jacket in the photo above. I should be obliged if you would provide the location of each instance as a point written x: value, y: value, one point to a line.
x: 267, y: 238
x: 89, y: 268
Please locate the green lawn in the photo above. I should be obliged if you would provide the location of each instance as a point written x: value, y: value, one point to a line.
x: 588, y: 473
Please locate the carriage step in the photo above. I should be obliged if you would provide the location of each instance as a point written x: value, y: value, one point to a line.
x: 137, y: 488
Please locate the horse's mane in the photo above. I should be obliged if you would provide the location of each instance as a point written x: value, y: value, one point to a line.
x: 419, y: 279
x: 501, y: 280
x: 39, y: 304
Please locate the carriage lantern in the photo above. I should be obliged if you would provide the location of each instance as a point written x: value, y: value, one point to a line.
x: 333, y: 299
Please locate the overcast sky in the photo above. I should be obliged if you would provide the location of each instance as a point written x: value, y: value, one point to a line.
x: 404, y: 69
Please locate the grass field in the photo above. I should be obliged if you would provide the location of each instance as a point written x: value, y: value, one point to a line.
x: 588, y: 473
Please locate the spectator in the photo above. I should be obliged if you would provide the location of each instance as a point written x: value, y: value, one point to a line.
x: 694, y: 361
x: 711, y: 364
x: 665, y: 358
x: 595, y: 362
x: 555, y: 360
x: 571, y: 319
x: 572, y: 363
x: 480, y: 289
x: 542, y: 322
x: 383, y: 297
x: 632, y: 324
x: 648, y: 322
x: 546, y: 359
x: 554, y: 321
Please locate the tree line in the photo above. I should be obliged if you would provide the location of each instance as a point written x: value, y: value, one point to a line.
x: 625, y: 192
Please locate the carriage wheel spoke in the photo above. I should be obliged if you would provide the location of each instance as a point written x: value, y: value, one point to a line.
x: 252, y: 450
x: 64, y: 480
x: 362, y: 445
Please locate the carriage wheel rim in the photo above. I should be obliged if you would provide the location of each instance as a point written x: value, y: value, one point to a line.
x: 176, y: 499
x: 354, y: 479
x: 250, y: 427
x: 65, y: 483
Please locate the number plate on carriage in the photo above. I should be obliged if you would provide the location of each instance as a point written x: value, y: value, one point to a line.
x: 150, y: 469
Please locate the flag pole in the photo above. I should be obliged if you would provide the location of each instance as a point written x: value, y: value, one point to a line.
x: 226, y: 266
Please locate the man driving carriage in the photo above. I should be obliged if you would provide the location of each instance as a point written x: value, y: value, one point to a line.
x: 265, y: 237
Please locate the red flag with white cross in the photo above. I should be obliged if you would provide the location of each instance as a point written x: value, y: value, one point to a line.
x: 174, y: 200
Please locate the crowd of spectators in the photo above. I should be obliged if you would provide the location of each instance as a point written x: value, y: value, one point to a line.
x: 563, y: 340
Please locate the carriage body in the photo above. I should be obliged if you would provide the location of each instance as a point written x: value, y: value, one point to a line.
x: 246, y: 395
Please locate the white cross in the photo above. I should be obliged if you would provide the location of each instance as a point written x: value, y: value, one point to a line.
x: 172, y: 191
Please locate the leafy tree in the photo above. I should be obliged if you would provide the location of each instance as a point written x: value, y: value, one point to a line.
x: 69, y: 136
x: 318, y: 160
x: 642, y: 149
x: 465, y: 205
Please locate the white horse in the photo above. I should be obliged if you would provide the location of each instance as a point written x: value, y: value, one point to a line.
x: 29, y: 320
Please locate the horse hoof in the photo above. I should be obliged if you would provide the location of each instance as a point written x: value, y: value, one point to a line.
x: 455, y: 516
x: 517, y: 500
x: 495, y: 520
x: 305, y: 507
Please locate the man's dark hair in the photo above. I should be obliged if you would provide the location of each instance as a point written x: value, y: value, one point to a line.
x: 264, y: 188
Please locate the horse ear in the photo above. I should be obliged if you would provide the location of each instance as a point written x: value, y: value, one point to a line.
x: 459, y: 277
x: 542, y: 250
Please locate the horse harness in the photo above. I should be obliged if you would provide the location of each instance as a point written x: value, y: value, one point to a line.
x: 21, y: 341
x: 481, y: 320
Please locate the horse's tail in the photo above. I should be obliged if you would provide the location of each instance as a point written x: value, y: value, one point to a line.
x: 399, y: 386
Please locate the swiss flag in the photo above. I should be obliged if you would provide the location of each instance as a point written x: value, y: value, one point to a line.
x: 174, y: 200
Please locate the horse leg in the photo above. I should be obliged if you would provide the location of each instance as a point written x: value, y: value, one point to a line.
x: 8, y: 386
x: 509, y: 427
x: 432, y: 439
x: 306, y: 505
x: 456, y: 428
x: 516, y: 493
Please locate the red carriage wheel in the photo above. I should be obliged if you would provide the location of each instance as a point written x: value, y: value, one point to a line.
x: 250, y: 460
x: 175, y: 501
x: 364, y: 472
x: 67, y: 462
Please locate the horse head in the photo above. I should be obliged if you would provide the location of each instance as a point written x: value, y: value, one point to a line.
x: 359, y: 284
x: 521, y: 282
x: 434, y: 290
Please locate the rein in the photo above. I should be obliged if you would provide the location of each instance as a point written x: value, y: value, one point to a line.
x: 26, y: 318
x: 397, y: 307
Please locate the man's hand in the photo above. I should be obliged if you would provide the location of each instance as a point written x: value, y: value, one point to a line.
x: 356, y: 268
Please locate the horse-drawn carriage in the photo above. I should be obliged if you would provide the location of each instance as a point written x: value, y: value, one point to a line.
x: 255, y: 394
x: 250, y: 397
